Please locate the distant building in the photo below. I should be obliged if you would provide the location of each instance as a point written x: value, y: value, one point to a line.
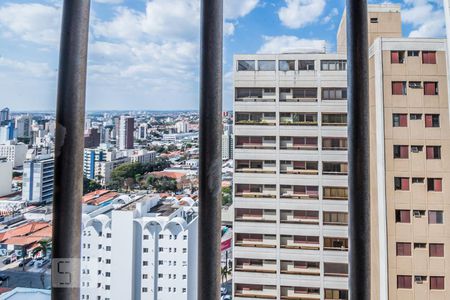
x: 6, y: 132
x: 38, y: 175
x: 180, y: 137
x: 141, y: 133
x: 126, y: 130
x: 4, y: 115
x: 20, y: 293
x: 5, y: 176
x: 182, y: 127
x: 23, y: 128
x: 92, y: 138
x: 14, y: 152
x: 99, y: 163
x: 141, y: 156
x: 145, y: 248
x: 227, y: 146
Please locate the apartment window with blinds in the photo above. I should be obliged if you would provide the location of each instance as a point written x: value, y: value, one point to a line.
x: 333, y: 65
x: 399, y: 88
x: 334, y: 93
x: 266, y: 65
x: 329, y: 143
x: 246, y: 65
x: 404, y: 281
x: 436, y: 250
x: 401, y: 151
x: 429, y: 57
x: 336, y: 294
x: 334, y: 119
x: 306, y: 65
x: 403, y: 249
x: 435, y: 217
x: 402, y: 216
x: 335, y: 193
x: 397, y: 57
x: 286, y: 65
x: 401, y: 183
x: 430, y: 88
x: 400, y: 120
x: 434, y: 184
x: 437, y: 282
x: 432, y: 120
x: 433, y: 152
x: 335, y: 218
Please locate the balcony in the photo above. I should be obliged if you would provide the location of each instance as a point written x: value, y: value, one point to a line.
x: 255, y: 215
x: 299, y: 242
x: 335, y: 193
x: 256, y: 118
x: 256, y: 191
x: 300, y: 268
x: 334, y: 144
x: 300, y: 293
x: 299, y: 217
x: 255, y: 265
x: 255, y: 240
x: 256, y: 142
x: 255, y: 95
x: 331, y: 294
x: 334, y: 119
x: 335, y: 244
x: 298, y: 119
x: 335, y: 218
x: 298, y: 143
x: 336, y: 270
x: 298, y: 94
x: 299, y: 167
x: 299, y: 192
x: 334, y: 168
x: 257, y: 291
x: 256, y: 166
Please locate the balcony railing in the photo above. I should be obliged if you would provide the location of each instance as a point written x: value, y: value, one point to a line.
x: 300, y: 268
x: 294, y: 293
x: 255, y: 291
x: 255, y: 215
x: 255, y: 240
x: 299, y: 217
x: 255, y: 191
x: 299, y: 192
x: 255, y: 265
x: 304, y: 243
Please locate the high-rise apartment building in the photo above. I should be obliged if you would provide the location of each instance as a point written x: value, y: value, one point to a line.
x: 140, y: 248
x: 126, y: 132
x: 410, y: 170
x: 290, y: 181
x: 4, y: 115
x: 98, y: 163
x: 6, y: 168
x: 23, y: 127
x: 38, y: 176
x: 14, y: 152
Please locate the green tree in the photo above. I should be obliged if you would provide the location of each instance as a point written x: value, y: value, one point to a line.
x: 162, y: 184
x: 90, y: 185
x: 227, y: 199
x: 44, y: 247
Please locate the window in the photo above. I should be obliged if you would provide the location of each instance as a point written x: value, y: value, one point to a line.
x: 107, y: 287
x: 401, y: 183
x: 416, y: 148
x: 437, y: 282
x: 429, y: 57
x: 415, y: 84
x: 145, y: 237
x: 266, y: 65
x: 373, y: 21
x: 144, y: 290
x: 418, y: 213
x: 160, y: 275
x: 401, y: 151
x: 306, y: 65
x: 430, y: 88
x: 160, y: 289
x: 403, y: 249
x: 334, y: 119
x: 432, y: 120
x: 145, y: 263
x: 335, y: 218
x: 336, y: 294
x: 399, y: 88
x: 415, y: 117
x: 108, y: 261
x: 108, y: 248
x: 413, y: 53
x: 400, y: 120
x: 334, y: 65
x: 249, y: 92
x: 107, y: 274
x: 335, y: 193
x: 397, y: 57
x: 420, y: 278
x: 246, y: 65
x: 145, y: 250
x: 418, y: 180
x: 420, y: 245
x: 286, y: 65
x: 434, y: 184
x: 402, y: 216
x: 161, y: 236
x: 404, y: 281
x: 433, y: 152
x: 435, y: 217
x: 436, y: 250
x: 334, y: 93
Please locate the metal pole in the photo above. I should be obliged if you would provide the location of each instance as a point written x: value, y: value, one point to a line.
x: 210, y: 172
x: 69, y: 143
x: 358, y: 153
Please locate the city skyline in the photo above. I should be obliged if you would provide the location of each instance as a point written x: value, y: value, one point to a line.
x: 130, y: 51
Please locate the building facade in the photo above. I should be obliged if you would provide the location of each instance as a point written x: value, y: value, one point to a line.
x: 126, y: 132
x: 14, y: 152
x: 38, y: 174
x: 145, y: 249
x: 290, y: 180
x: 5, y: 176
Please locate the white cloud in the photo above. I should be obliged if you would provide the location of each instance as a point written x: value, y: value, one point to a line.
x: 299, y: 13
x: 426, y: 17
x: 285, y: 43
x: 234, y: 9
x: 31, y: 22
x: 109, y: 1
x: 27, y: 68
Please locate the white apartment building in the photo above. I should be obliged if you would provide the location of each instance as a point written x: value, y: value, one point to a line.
x: 141, y: 156
x: 227, y: 146
x: 145, y: 248
x: 14, y: 152
x: 23, y: 126
x: 99, y: 163
x: 38, y: 177
x: 5, y: 176
x: 290, y: 180
x: 182, y: 126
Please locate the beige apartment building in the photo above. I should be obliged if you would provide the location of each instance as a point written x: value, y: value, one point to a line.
x: 410, y: 167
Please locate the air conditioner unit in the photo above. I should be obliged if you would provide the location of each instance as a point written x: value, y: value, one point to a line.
x: 418, y: 279
x: 417, y: 214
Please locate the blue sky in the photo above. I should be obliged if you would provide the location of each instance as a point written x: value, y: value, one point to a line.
x: 145, y: 54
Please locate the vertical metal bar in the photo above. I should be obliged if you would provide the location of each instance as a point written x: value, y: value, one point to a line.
x: 358, y: 154
x: 210, y: 172
x: 69, y: 143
